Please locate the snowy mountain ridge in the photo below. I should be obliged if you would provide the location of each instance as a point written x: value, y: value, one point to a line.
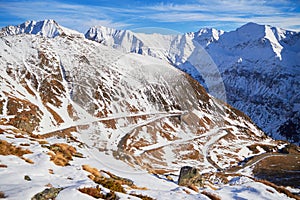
x: 48, y: 28
x: 256, y: 64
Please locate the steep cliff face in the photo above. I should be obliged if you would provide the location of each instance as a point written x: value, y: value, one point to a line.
x: 254, y: 68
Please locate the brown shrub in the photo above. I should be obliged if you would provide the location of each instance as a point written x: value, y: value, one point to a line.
x: 113, y: 183
x: 9, y: 149
x: 93, y: 171
x: 109, y: 183
x: 94, y: 192
x: 122, y: 181
x: 210, y: 195
x: 62, y: 153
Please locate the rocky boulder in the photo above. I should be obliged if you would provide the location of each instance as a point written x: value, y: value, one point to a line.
x: 190, y: 177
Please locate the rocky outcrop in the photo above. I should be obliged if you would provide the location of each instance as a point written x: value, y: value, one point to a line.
x: 49, y: 193
x: 190, y: 176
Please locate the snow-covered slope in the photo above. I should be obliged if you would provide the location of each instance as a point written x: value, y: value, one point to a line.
x: 64, y: 83
x: 254, y: 68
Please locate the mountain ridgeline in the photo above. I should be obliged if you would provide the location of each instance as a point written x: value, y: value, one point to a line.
x: 257, y: 67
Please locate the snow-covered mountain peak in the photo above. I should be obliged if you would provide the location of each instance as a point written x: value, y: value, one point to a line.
x: 207, y: 35
x: 252, y: 31
x: 47, y: 28
x: 93, y: 31
x: 108, y: 36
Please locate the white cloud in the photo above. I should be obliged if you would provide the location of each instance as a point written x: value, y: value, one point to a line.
x: 231, y: 11
x: 78, y: 17
x: 222, y: 13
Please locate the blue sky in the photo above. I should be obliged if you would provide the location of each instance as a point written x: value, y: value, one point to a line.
x: 155, y: 15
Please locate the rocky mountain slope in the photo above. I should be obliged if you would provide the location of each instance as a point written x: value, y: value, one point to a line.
x: 254, y: 68
x: 72, y: 109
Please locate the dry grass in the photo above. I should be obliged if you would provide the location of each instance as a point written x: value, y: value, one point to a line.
x: 109, y: 183
x: 72, y: 112
x: 94, y: 171
x: 113, y: 183
x: 51, y: 171
x: 193, y: 187
x: 7, y: 148
x: 62, y: 153
x: 96, y: 193
x: 210, y: 195
x: 61, y: 133
x: 160, y: 171
x: 119, y: 179
x: 219, y: 176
